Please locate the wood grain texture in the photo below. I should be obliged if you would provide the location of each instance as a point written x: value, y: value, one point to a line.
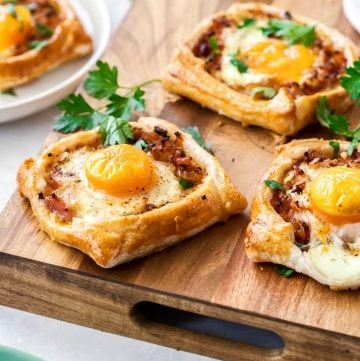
x: 209, y: 273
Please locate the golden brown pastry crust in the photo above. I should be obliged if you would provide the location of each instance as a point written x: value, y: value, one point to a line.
x: 117, y: 240
x: 69, y: 41
x: 283, y: 114
x: 269, y: 238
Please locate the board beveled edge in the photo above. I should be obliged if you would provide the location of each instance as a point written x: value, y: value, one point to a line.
x: 92, y: 301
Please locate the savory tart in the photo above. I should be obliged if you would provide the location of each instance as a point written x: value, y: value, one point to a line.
x: 36, y: 36
x: 306, y: 212
x: 263, y: 66
x: 125, y: 201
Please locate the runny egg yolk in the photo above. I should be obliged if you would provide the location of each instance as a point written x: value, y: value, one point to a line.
x: 120, y: 170
x: 335, y: 195
x: 14, y: 26
x: 276, y: 58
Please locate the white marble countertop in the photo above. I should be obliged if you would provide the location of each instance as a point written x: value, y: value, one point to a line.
x: 47, y: 338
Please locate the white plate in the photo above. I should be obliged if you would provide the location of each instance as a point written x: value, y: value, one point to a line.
x: 58, y: 83
x: 352, y: 12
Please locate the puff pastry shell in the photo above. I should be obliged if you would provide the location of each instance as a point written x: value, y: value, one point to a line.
x: 269, y: 238
x: 69, y: 41
x: 111, y: 241
x: 282, y: 114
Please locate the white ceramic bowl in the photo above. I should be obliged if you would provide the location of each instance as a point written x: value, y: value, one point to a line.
x: 58, y: 83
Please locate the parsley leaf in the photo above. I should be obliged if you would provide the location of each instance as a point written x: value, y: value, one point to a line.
x: 141, y: 144
x: 283, y: 270
x: 121, y: 107
x: 351, y: 82
x: 9, y: 91
x: 353, y: 145
x: 301, y: 246
x: 44, y: 30
x: 273, y: 184
x: 75, y: 104
x: 185, y: 184
x: 214, y: 46
x: 102, y: 82
x: 247, y: 22
x: 239, y: 64
x: 70, y: 123
x: 263, y: 91
x: 337, y: 123
x: 195, y: 133
x: 111, y: 117
x: 292, y: 32
x: 78, y: 114
x: 336, y: 147
x: 115, y: 131
x: 37, y: 45
x: 10, y: 8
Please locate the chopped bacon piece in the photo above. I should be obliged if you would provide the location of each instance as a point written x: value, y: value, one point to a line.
x: 165, y: 149
x: 301, y: 232
x: 149, y: 207
x: 58, y: 206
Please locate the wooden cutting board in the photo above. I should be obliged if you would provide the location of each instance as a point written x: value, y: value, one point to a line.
x: 208, y: 274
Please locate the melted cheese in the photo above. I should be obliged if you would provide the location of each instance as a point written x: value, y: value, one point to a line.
x: 89, y: 203
x: 267, y: 59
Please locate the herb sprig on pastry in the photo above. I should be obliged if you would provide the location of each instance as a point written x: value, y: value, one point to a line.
x: 36, y: 36
x: 124, y: 189
x: 306, y: 212
x: 263, y: 66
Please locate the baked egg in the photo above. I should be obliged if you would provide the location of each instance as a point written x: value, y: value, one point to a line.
x: 114, y: 181
x: 330, y: 206
x: 16, y: 23
x: 268, y: 59
x: 120, y: 170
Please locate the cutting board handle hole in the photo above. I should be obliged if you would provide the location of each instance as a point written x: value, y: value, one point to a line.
x: 158, y: 314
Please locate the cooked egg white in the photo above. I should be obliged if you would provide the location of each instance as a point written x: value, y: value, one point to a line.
x: 328, y: 251
x: 267, y: 59
x: 89, y: 202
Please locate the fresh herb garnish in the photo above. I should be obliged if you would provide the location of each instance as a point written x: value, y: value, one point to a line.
x: 121, y: 106
x: 273, y: 184
x: 141, y: 144
x: 292, y: 32
x: 185, y: 184
x: 351, y: 82
x: 10, y: 8
x: 77, y: 114
x: 37, y: 45
x: 112, y: 117
x: 336, y: 148
x: 247, y: 22
x: 194, y: 132
x: 44, y: 30
x: 265, y: 92
x: 102, y: 82
x: 239, y: 64
x: 283, y: 270
x: 214, y: 46
x: 301, y: 246
x: 337, y: 123
x: 115, y: 131
x: 9, y: 91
